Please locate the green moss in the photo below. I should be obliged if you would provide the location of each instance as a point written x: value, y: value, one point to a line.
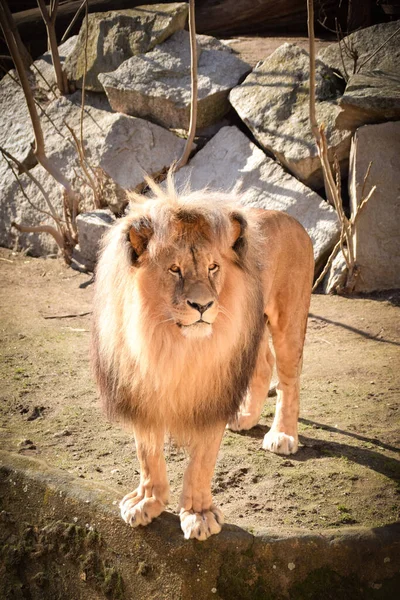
x: 61, y: 542
x: 327, y: 584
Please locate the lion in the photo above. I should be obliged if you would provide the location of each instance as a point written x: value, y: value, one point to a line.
x: 188, y: 288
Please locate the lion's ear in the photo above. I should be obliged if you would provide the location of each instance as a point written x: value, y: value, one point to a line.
x: 238, y: 240
x: 139, y: 235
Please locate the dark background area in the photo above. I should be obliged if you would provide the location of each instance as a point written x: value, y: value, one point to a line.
x: 222, y: 18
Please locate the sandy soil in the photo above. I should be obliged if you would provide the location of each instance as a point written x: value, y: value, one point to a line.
x: 252, y: 49
x: 345, y: 473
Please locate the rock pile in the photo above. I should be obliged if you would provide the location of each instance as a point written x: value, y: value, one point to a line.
x: 138, y: 74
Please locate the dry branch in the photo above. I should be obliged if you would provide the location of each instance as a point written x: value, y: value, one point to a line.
x: 193, y: 102
x: 333, y: 189
x: 65, y: 232
x: 41, y: 229
x: 25, y: 56
x: 49, y: 18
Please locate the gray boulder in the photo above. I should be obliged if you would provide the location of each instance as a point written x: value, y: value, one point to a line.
x: 273, y: 102
x: 115, y: 36
x: 124, y: 148
x: 231, y: 162
x: 369, y: 61
x: 91, y: 228
x: 157, y: 85
x: 373, y: 96
x: 335, y: 279
x: 377, y: 240
x: 16, y: 133
x: 371, y: 44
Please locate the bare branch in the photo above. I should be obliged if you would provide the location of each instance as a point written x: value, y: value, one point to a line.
x: 362, y: 205
x: 84, y: 165
x: 366, y: 176
x: 193, y: 104
x: 78, y: 12
x: 42, y: 110
x: 25, y: 56
x: 41, y: 229
x: 70, y: 316
x: 22, y: 168
x: 327, y: 266
x: 49, y: 20
x: 39, y: 150
x: 8, y: 158
x: 84, y: 76
x: 313, y: 119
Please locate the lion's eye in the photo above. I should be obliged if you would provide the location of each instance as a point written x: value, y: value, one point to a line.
x: 175, y: 270
x: 213, y: 268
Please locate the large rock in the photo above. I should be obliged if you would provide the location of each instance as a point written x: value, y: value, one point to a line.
x: 91, y: 228
x: 123, y: 147
x: 273, y: 101
x: 369, y: 60
x: 115, y: 36
x: 377, y: 242
x: 373, y: 96
x: 16, y: 133
x: 230, y: 161
x: 371, y: 44
x: 335, y: 279
x: 157, y: 85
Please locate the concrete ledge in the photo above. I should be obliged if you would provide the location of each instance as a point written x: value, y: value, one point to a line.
x: 62, y: 538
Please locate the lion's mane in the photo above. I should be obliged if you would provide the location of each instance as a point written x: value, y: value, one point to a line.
x: 147, y: 372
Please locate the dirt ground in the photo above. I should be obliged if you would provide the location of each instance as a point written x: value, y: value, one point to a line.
x: 252, y: 49
x: 345, y: 473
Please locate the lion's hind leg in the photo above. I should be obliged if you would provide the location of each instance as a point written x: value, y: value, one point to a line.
x: 288, y: 338
x: 199, y: 517
x: 250, y: 411
x: 150, y: 498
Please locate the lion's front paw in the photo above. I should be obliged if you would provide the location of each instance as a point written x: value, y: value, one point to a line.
x: 243, y: 420
x: 137, y: 510
x: 280, y: 443
x: 201, y: 525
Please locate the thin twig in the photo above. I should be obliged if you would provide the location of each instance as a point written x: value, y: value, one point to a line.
x: 43, y: 111
x: 71, y: 316
x: 39, y: 150
x: 27, y: 172
x: 362, y: 205
x: 84, y: 165
x: 26, y: 57
x: 193, y: 103
x: 346, y: 75
x: 327, y: 266
x: 84, y: 78
x: 8, y: 158
x: 49, y: 19
x: 44, y: 79
x: 73, y: 21
x: 366, y: 176
x: 313, y: 119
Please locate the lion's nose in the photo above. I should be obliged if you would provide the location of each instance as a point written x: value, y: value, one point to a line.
x: 200, y: 307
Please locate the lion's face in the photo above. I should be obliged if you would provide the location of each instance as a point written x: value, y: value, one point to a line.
x: 184, y: 276
x: 191, y: 279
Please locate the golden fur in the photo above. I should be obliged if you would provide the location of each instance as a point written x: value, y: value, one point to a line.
x: 184, y: 287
